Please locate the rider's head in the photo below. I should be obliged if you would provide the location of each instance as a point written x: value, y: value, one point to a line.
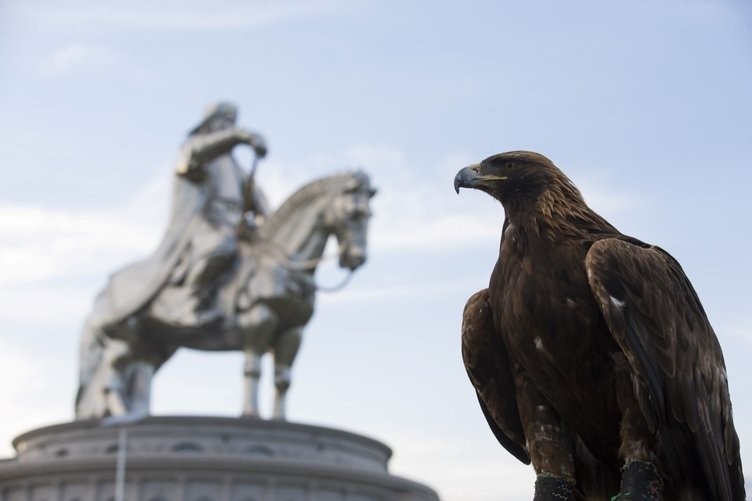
x: 218, y: 116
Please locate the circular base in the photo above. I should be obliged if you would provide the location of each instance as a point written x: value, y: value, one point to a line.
x: 187, y: 458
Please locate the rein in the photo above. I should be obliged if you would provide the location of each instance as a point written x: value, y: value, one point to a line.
x: 335, y: 288
x: 307, y: 265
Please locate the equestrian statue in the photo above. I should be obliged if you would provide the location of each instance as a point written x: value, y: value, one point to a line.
x: 229, y: 274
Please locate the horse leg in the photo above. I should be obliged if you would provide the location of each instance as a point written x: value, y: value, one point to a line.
x: 285, y: 351
x: 103, y: 389
x: 251, y: 375
x: 256, y: 328
x: 128, y: 391
x: 139, y: 387
x: 116, y: 401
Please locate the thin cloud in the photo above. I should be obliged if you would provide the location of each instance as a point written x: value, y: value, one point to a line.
x: 402, y: 291
x: 77, y: 58
x: 446, y: 232
x: 19, y: 373
x: 429, y: 457
x: 41, y: 244
x: 607, y: 199
x: 63, y: 307
x: 24, y: 385
x: 172, y: 15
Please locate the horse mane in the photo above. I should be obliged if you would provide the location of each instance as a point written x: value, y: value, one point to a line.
x: 337, y: 183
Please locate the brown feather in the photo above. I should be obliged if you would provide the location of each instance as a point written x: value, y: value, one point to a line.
x: 488, y: 369
x: 606, y: 348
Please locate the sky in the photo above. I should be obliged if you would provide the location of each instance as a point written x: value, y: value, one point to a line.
x: 644, y: 105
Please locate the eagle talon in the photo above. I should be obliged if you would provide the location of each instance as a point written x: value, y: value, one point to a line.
x: 552, y: 488
x: 640, y: 481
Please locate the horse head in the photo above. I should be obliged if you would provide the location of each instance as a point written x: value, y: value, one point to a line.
x: 290, y: 244
x: 347, y: 218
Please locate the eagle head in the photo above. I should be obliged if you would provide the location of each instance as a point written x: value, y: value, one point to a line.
x: 511, y: 175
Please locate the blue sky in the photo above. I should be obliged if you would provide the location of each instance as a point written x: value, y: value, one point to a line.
x: 645, y: 105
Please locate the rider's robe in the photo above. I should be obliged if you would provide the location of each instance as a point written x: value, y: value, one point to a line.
x: 207, y: 206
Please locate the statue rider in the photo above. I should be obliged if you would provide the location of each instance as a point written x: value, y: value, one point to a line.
x: 229, y: 206
x: 214, y: 203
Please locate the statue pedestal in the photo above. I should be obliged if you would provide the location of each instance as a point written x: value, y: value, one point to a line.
x: 187, y: 458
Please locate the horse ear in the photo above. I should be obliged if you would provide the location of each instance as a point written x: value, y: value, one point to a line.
x: 359, y: 182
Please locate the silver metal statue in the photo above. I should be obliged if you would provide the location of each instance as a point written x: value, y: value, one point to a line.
x: 228, y: 275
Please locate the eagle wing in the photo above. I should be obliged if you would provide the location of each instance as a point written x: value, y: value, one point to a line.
x: 657, y: 320
x: 487, y: 365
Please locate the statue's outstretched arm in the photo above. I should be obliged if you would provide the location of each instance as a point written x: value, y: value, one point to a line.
x: 200, y: 149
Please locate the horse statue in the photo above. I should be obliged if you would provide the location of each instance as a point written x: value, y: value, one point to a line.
x: 265, y: 303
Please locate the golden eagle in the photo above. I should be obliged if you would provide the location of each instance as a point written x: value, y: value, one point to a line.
x: 590, y: 352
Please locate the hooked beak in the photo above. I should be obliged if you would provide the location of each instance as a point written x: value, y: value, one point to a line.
x: 470, y: 177
x: 466, y: 178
